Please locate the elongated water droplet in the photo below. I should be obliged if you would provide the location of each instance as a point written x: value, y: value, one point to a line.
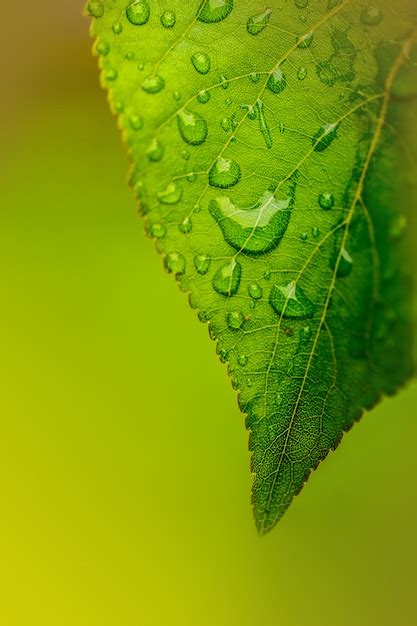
x: 226, y: 280
x: 138, y: 12
x: 215, y: 10
x: 175, y: 263
x: 153, y: 84
x: 263, y: 124
x: 326, y: 201
x: 371, y: 16
x: 235, y: 320
x: 168, y: 19
x: 155, y: 152
x: 224, y: 82
x: 202, y: 263
x: 277, y: 81
x: 201, y: 62
x: 95, y: 8
x: 257, y: 230
x: 171, y: 195
x: 186, y: 226
x: 290, y: 301
x: 324, y: 137
x: 255, y: 291
x: 224, y: 173
x: 192, y: 127
x: 257, y: 23
x: 203, y: 96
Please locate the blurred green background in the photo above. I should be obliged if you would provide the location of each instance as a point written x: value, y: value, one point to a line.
x: 124, y: 468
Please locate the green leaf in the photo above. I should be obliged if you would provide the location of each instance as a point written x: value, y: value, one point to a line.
x: 272, y: 158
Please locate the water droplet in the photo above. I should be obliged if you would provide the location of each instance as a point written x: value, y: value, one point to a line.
x: 155, y: 152
x: 257, y: 23
x: 281, y: 127
x: 324, y: 137
x: 157, y: 230
x: 185, y: 155
x: 175, y: 263
x: 302, y: 73
x: 255, y: 291
x: 224, y: 173
x: 290, y: 301
x: 301, y: 4
x: 119, y: 106
x: 168, y: 19
x: 315, y: 232
x: 177, y: 96
x: 192, y: 127
x: 251, y: 111
x: 215, y: 10
x: 254, y: 76
x: 153, y: 84
x: 345, y: 264
x: 202, y: 263
x: 398, y: 227
x: 192, y: 177
x: 101, y: 48
x: 332, y: 4
x: 243, y: 360
x: 117, y: 28
x: 224, y: 82
x: 141, y: 66
x: 228, y: 101
x: 305, y: 335
x: 226, y: 280
x: 135, y: 122
x: 306, y: 40
x: 186, y: 226
x: 235, y: 320
x: 138, y: 12
x: 257, y: 230
x: 201, y: 62
x: 130, y: 55
x: 111, y: 74
x: 277, y: 81
x: 372, y: 16
x: 203, y: 96
x: 263, y: 124
x: 304, y: 236
x: 326, y: 201
x: 223, y: 355
x: 171, y: 195
x: 95, y: 8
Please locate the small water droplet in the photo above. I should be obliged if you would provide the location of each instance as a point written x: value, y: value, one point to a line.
x: 226, y: 280
x: 185, y: 155
x: 193, y: 128
x: 172, y: 194
x: 130, y: 55
x: 257, y: 23
x: 117, y: 28
x: 235, y: 320
x: 215, y: 10
x: 306, y: 40
x: 203, y: 96
x: 202, y: 263
x: 168, y: 19
x: 119, y: 106
x: 95, y: 8
x: 201, y: 62
x: 175, y: 263
x: 141, y: 66
x: 345, y: 264
x: 290, y: 301
x: 277, y: 81
x: 255, y: 77
x: 192, y: 177
x: 324, y: 137
x: 224, y: 82
x: 155, y: 152
x: 186, y: 226
x: 398, y: 227
x: 281, y: 127
x: 153, y: 84
x: 138, y: 12
x: 255, y: 291
x: 304, y: 236
x: 157, y: 230
x: 242, y: 360
x: 224, y: 173
x: 177, y: 96
x: 111, y: 74
x: 315, y: 232
x: 371, y: 16
x: 302, y: 73
x: 223, y: 355
x: 101, y: 48
x: 135, y: 122
x: 326, y: 201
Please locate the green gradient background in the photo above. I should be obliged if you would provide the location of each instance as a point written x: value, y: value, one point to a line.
x: 124, y: 468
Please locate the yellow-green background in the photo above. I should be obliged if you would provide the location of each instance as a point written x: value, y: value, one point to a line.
x: 124, y: 481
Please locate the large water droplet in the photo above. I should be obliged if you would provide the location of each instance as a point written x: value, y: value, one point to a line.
x: 168, y: 19
x: 324, y: 137
x: 372, y: 16
x: 215, y: 10
x: 95, y: 8
x: 235, y: 320
x: 171, y: 195
x: 226, y: 280
x: 175, y: 263
x: 290, y: 301
x: 202, y: 263
x: 201, y: 62
x: 224, y: 173
x: 153, y: 84
x: 257, y: 230
x: 192, y: 127
x: 277, y: 81
x: 326, y: 201
x: 257, y: 23
x: 138, y: 12
x: 155, y: 152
